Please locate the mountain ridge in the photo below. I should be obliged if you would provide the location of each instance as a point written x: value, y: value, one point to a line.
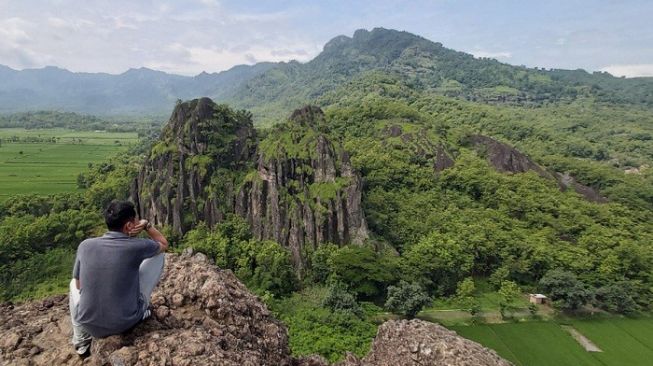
x: 274, y: 88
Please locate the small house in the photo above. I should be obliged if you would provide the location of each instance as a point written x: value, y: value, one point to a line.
x: 538, y: 299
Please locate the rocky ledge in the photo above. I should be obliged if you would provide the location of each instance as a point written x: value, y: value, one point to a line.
x: 205, y: 316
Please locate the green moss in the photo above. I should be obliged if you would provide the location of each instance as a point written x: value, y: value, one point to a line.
x: 162, y: 148
x: 327, y: 190
x: 289, y: 141
x: 201, y: 162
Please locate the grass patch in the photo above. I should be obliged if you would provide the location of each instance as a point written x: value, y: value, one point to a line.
x: 624, y: 341
x: 52, y: 167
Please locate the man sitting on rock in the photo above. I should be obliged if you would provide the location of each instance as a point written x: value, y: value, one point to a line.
x: 114, y: 276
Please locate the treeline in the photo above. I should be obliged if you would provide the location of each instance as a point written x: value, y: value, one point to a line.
x: 40, y: 234
x: 78, y: 122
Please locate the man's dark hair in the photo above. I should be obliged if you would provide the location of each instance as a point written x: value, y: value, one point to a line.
x: 118, y: 213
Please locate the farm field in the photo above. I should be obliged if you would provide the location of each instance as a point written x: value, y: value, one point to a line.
x: 52, y: 162
x: 623, y: 341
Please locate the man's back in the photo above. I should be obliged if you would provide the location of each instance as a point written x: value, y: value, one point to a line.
x: 108, y: 270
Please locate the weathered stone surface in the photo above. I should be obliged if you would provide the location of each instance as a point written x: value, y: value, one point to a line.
x: 566, y: 181
x: 184, y: 181
x: 200, y: 138
x: 442, y: 159
x: 506, y: 158
x: 416, y: 342
x: 219, y: 323
x: 281, y: 202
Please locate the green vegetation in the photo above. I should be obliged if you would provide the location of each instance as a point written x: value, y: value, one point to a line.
x: 406, y: 299
x: 623, y: 342
x: 47, y: 161
x: 314, y: 329
x: 40, y: 233
x: 531, y: 343
x: 465, y: 234
x: 264, y: 266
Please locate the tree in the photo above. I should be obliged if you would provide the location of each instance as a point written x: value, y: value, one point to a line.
x: 465, y: 296
x: 406, y: 299
x: 565, y: 289
x: 266, y: 266
x: 617, y: 297
x: 340, y: 299
x: 439, y: 261
x: 320, y: 263
x: 364, y: 271
x: 508, y: 294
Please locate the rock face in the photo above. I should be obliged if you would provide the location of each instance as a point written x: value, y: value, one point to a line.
x: 204, y: 316
x: 505, y: 158
x: 189, y: 174
x: 305, y: 191
x: 295, y: 187
x: 201, y: 316
x: 416, y: 342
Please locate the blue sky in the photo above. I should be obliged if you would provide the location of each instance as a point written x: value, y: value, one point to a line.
x: 191, y: 36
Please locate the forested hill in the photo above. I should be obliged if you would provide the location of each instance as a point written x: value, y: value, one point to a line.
x: 429, y: 66
x: 271, y: 89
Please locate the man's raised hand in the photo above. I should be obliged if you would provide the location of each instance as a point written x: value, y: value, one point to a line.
x: 138, y: 228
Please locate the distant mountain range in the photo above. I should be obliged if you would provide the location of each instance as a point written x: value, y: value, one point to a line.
x: 270, y: 88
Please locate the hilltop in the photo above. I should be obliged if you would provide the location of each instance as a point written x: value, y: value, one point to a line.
x: 269, y: 89
x: 205, y: 316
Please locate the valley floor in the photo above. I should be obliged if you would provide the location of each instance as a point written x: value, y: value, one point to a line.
x: 623, y: 341
x: 47, y: 161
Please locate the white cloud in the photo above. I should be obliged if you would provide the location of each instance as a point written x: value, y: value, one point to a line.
x: 490, y: 54
x: 16, y: 42
x: 210, y: 2
x: 12, y: 30
x: 630, y: 71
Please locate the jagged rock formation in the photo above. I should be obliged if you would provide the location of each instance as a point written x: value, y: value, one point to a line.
x: 190, y: 173
x: 305, y: 191
x: 205, y: 316
x: 295, y: 187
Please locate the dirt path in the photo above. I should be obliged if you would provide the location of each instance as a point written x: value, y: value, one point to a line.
x: 580, y: 338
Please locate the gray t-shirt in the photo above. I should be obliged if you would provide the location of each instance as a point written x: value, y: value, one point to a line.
x: 107, y: 268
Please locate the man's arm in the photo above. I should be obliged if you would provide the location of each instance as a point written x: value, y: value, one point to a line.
x: 156, y: 235
x: 152, y: 232
x: 76, y: 273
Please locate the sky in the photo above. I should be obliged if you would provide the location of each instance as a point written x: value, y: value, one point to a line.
x: 191, y: 36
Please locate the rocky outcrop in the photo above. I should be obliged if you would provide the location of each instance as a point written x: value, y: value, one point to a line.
x: 204, y: 316
x: 416, y: 342
x: 506, y: 158
x: 566, y: 181
x: 190, y: 173
x: 442, y: 160
x: 295, y: 187
x: 305, y: 191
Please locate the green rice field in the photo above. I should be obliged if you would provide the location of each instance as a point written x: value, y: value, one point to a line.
x: 624, y: 342
x: 51, y: 166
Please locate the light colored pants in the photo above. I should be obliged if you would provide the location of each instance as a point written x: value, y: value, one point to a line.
x: 149, y: 274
